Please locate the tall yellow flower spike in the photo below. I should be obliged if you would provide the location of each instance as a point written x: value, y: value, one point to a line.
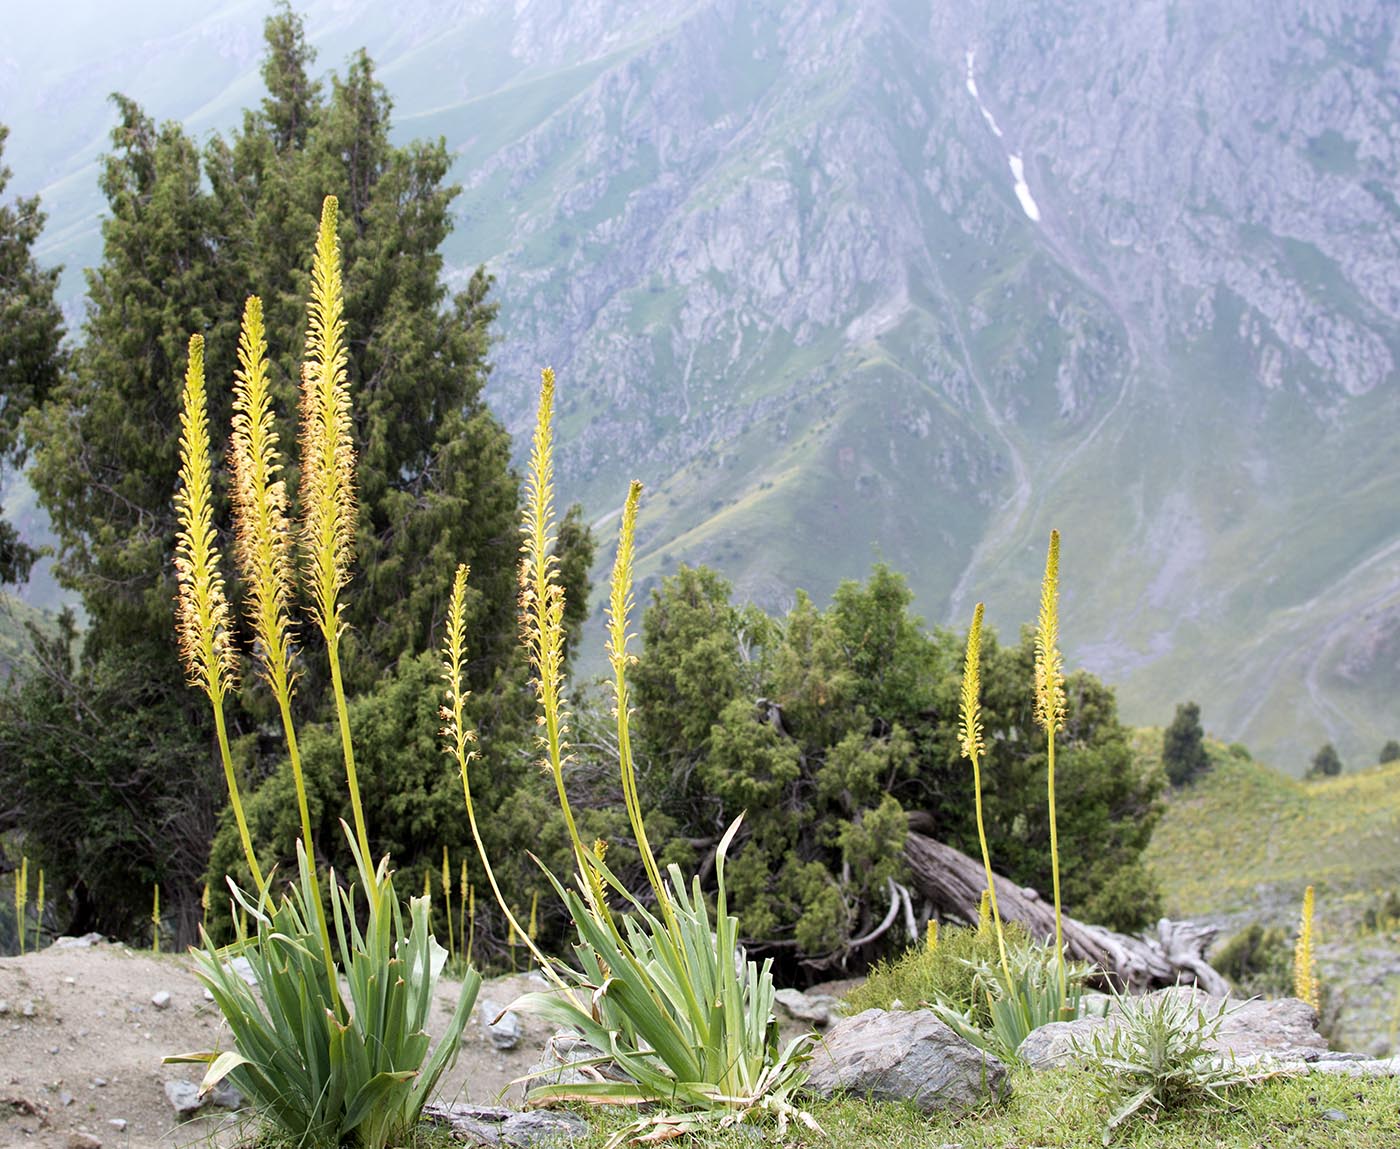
x: 1305, y: 984
x: 328, y: 484
x: 620, y: 603
x: 542, y: 604
x: 202, y: 615
x: 1050, y: 713
x: 972, y: 748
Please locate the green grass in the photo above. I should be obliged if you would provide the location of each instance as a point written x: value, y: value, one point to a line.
x: 1052, y: 1110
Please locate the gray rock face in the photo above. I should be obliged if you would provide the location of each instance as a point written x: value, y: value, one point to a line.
x: 904, y: 1056
x: 183, y: 1097
x: 558, y: 1061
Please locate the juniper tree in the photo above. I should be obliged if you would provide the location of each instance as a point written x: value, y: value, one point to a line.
x: 190, y: 234
x: 31, y: 334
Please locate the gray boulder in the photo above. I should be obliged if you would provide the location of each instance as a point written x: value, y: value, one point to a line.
x: 501, y: 1025
x: 1283, y: 1030
x: 816, y: 1008
x: 905, y: 1056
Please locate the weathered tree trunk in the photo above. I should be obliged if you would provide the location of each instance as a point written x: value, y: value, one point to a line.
x: 953, y: 883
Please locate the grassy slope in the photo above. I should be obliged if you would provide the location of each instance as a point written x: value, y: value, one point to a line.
x: 1242, y: 843
x: 1245, y: 833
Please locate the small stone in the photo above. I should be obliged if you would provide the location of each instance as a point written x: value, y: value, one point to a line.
x: 65, y: 1099
x: 502, y: 1025
x: 4, y: 1007
x: 161, y: 1000
x: 69, y: 981
x: 83, y: 1141
x: 208, y: 994
x: 27, y: 1009
x: 118, y: 1123
x: 1333, y: 1115
x: 183, y: 1097
x: 53, y: 1049
x: 100, y: 1082
x: 225, y: 1096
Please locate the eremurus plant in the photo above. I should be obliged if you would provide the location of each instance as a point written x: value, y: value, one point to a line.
x: 323, y: 1066
x: 1050, y: 713
x: 663, y: 996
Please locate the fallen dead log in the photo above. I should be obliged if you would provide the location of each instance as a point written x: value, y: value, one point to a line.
x: 952, y: 884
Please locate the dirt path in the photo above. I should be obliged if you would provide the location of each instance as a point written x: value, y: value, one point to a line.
x: 81, y: 1045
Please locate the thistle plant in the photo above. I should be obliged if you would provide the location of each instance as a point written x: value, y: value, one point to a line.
x: 202, y: 616
x: 972, y: 747
x: 1305, y: 984
x: 1050, y: 713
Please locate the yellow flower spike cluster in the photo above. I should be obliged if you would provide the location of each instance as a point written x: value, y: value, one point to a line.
x: 931, y: 935
x: 972, y: 748
x: 155, y: 920
x: 1050, y: 712
x: 1305, y: 983
x: 201, y: 607
x: 328, y: 483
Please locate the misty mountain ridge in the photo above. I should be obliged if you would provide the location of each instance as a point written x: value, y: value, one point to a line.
x: 854, y: 281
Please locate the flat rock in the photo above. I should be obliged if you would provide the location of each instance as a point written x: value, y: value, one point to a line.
x: 491, y: 1125
x: 83, y: 1141
x: 161, y: 999
x: 904, y: 1056
x: 87, y: 941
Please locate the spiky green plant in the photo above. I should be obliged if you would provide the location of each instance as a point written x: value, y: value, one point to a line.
x: 202, y: 613
x: 1050, y: 713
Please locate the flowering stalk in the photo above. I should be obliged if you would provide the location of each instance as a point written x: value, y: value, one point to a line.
x: 328, y: 484
x: 21, y: 898
x: 458, y: 741
x: 447, y: 901
x: 263, y: 546
x: 201, y: 607
x: 620, y: 603
x: 1305, y: 983
x: 1050, y: 713
x: 972, y: 748
x: 38, y: 915
x: 542, y: 608
x: 155, y: 919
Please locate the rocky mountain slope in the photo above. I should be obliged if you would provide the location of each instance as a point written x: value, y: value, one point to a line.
x: 856, y: 279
